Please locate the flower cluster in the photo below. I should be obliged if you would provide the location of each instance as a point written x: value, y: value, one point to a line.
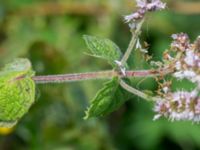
x: 184, y: 58
x: 181, y: 105
x: 143, y: 7
x: 188, y: 62
x: 181, y: 42
x: 182, y: 61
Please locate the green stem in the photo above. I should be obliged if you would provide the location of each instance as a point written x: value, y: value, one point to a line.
x: 132, y: 43
x: 137, y: 92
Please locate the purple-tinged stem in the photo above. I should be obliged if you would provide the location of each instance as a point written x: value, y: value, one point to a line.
x: 98, y: 75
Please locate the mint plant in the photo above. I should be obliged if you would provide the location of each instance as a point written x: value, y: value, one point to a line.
x: 180, y: 61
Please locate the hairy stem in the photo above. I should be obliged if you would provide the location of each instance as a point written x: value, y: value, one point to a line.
x: 132, y: 43
x: 98, y: 75
x: 137, y: 92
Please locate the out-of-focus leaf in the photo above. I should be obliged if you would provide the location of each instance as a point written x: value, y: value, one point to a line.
x: 103, y: 48
x: 17, y: 91
x: 108, y: 99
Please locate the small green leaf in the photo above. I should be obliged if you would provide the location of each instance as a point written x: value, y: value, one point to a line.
x: 17, y: 91
x: 108, y: 99
x: 103, y: 48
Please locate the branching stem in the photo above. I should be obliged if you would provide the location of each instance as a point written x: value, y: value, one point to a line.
x: 112, y: 73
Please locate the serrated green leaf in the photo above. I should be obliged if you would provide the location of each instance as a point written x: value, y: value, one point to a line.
x: 103, y: 48
x: 108, y: 99
x: 17, y: 91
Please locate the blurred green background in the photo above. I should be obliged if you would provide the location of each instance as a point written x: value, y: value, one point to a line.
x: 49, y: 33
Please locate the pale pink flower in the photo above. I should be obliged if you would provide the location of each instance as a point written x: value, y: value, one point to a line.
x: 143, y: 7
x: 181, y: 105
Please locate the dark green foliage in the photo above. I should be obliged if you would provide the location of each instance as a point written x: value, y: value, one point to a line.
x: 54, y: 45
x: 108, y: 99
